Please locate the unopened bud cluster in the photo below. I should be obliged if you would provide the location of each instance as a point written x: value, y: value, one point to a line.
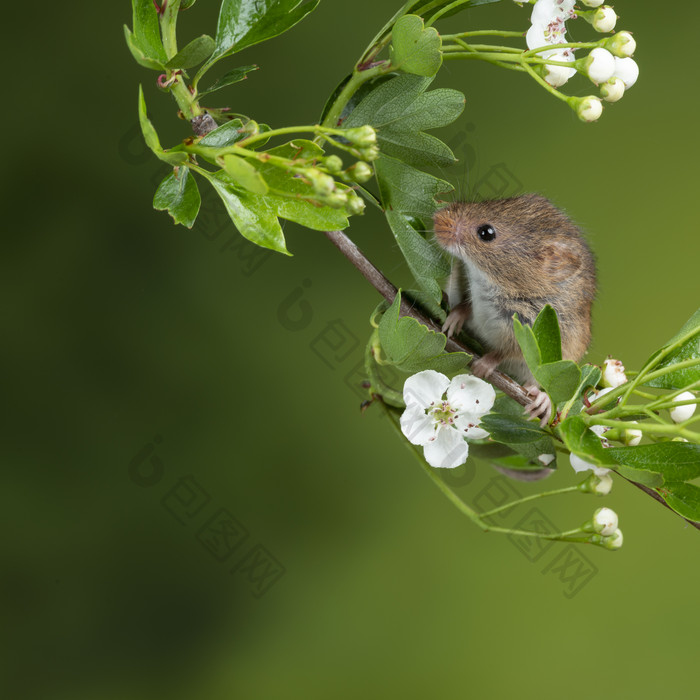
x: 604, y: 529
x: 610, y: 65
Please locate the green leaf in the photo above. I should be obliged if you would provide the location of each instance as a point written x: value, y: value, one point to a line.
x: 683, y: 498
x: 401, y: 111
x: 585, y: 443
x: 234, y: 76
x: 179, y: 196
x: 252, y: 215
x: 138, y: 54
x: 521, y: 435
x: 510, y: 430
x: 410, y: 346
x: 528, y: 344
x: 689, y: 350
x: 225, y: 135
x: 243, y: 23
x: 559, y: 379
x: 193, y: 54
x: 151, y: 137
x: 546, y: 330
x: 415, y: 49
x: 245, y: 174
x: 590, y: 376
x: 675, y: 461
x: 146, y: 35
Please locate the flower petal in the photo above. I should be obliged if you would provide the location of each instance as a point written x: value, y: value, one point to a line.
x: 469, y: 394
x: 425, y: 388
x: 468, y: 426
x: 416, y: 426
x: 447, y: 451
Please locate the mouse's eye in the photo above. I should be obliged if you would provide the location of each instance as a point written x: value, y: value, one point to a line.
x: 486, y: 232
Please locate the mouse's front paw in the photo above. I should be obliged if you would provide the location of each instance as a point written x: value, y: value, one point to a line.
x: 485, y: 366
x: 540, y: 406
x: 457, y: 317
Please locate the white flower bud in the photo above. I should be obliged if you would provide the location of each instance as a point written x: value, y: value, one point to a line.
x: 588, y: 108
x: 613, y: 373
x: 360, y: 172
x: 603, y: 485
x: 605, y: 521
x: 614, y: 541
x: 593, y: 3
x: 323, y: 184
x: 627, y: 70
x: 599, y: 485
x: 632, y: 437
x: 604, y: 19
x: 599, y: 65
x: 612, y: 90
x: 336, y: 200
x: 683, y: 413
x: 621, y: 44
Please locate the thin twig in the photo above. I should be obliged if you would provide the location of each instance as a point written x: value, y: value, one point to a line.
x: 388, y: 291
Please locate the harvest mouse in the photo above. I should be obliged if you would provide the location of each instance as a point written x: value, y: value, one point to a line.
x: 515, y: 256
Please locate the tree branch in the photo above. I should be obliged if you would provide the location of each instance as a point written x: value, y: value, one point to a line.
x: 388, y: 291
x: 498, y: 379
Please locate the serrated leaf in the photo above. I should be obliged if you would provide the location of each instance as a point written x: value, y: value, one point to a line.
x: 179, y: 196
x: 401, y: 111
x: 139, y: 56
x: 245, y: 174
x: 510, y: 430
x: 412, y: 347
x: 683, y: 498
x: 675, y: 461
x: 243, y: 23
x: 146, y: 32
x: 590, y: 376
x: 546, y: 330
x: 151, y: 137
x: 232, y: 77
x: 415, y: 49
x: 689, y: 350
x: 252, y: 215
x: 559, y: 379
x: 193, y: 54
x: 641, y: 476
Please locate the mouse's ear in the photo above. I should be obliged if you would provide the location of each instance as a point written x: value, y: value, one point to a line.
x: 559, y: 260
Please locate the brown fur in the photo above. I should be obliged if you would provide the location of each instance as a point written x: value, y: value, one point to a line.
x: 538, y: 257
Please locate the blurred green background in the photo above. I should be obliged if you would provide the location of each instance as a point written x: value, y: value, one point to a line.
x: 121, y: 329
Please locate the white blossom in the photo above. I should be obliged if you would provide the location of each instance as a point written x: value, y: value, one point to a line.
x: 441, y: 413
x: 683, y: 413
x: 627, y: 70
x: 605, y: 521
x: 613, y: 373
x: 600, y: 65
x: 549, y: 29
x: 604, y: 19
